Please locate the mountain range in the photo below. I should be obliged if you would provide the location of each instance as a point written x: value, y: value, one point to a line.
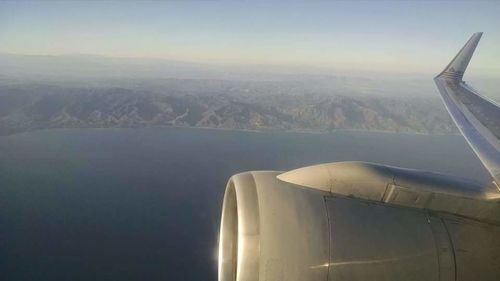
x: 40, y: 92
x: 30, y: 107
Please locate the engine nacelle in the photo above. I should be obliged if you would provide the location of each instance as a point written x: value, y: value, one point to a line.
x: 271, y: 230
x: 275, y: 230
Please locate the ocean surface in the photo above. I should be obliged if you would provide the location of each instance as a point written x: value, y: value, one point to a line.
x: 143, y: 204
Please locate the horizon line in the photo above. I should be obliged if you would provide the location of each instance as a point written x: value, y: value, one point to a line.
x: 289, y: 67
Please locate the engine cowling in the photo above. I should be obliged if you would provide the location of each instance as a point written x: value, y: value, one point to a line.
x: 272, y: 231
x: 276, y: 230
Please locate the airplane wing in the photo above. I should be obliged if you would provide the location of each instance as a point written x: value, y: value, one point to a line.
x: 477, y: 117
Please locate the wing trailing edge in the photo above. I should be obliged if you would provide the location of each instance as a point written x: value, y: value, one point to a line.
x: 477, y: 117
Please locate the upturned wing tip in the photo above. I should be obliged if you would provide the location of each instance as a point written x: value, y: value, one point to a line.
x: 456, y: 68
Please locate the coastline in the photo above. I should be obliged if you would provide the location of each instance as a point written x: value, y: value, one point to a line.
x: 318, y: 132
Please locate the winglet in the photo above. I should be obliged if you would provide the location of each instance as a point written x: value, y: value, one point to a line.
x: 456, y: 68
x: 476, y: 116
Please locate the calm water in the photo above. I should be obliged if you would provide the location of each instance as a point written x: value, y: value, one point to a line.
x: 143, y: 204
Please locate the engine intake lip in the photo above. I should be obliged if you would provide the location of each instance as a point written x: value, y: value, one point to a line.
x: 239, y: 240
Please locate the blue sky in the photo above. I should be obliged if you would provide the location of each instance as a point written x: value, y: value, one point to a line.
x: 407, y: 36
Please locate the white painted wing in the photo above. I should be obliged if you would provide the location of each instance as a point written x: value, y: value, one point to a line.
x: 477, y: 117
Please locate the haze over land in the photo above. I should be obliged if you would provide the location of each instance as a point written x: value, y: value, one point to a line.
x: 274, y: 65
x: 39, y: 92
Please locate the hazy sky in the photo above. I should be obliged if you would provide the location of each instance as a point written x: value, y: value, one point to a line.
x: 406, y: 36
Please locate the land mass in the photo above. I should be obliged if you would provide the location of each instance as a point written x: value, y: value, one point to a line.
x: 41, y: 92
x: 26, y: 107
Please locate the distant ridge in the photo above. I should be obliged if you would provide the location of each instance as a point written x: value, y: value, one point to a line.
x: 209, y: 104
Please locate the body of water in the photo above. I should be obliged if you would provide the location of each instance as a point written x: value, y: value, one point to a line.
x: 143, y: 204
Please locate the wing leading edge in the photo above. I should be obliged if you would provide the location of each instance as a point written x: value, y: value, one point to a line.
x: 477, y: 117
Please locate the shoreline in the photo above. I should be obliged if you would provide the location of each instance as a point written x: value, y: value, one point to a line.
x: 234, y: 130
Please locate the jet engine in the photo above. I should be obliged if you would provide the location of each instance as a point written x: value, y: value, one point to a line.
x: 358, y: 221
